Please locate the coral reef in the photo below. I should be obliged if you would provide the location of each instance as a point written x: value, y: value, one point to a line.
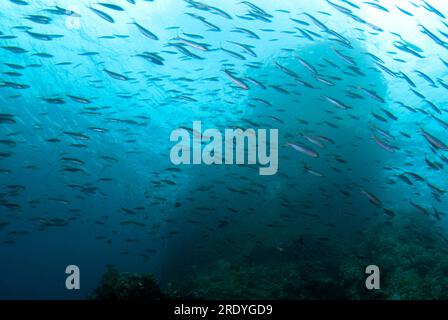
x: 413, y: 259
x: 127, y: 286
x: 410, y: 253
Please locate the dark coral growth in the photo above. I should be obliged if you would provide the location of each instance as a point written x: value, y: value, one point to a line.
x: 128, y: 286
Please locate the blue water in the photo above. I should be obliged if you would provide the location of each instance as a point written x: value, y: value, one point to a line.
x: 85, y: 125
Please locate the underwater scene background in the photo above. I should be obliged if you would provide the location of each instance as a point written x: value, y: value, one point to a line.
x: 90, y: 92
